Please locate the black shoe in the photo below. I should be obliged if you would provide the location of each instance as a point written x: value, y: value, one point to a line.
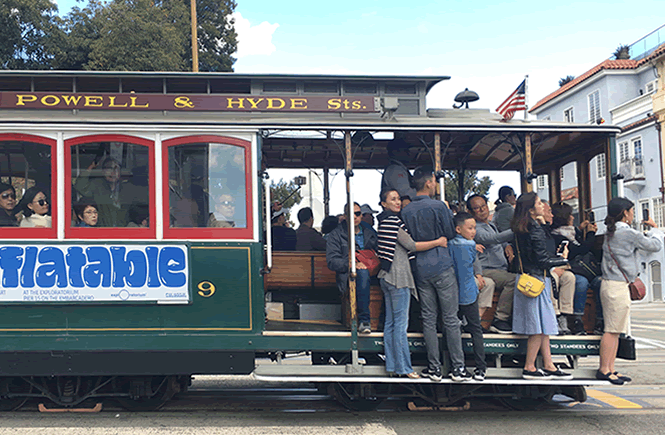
x: 609, y: 377
x: 576, y: 324
x: 433, y: 374
x: 501, y: 327
x: 562, y: 324
x: 460, y: 375
x: 479, y: 374
x: 558, y: 374
x: 599, y: 327
x: 536, y: 375
x: 623, y: 377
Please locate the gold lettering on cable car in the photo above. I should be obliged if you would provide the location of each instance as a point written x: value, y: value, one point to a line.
x: 183, y: 103
x: 206, y: 289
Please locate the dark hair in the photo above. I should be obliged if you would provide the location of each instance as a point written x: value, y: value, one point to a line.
x: 108, y: 161
x: 561, y: 213
x: 503, y: 192
x: 462, y: 217
x: 82, y: 204
x: 420, y: 176
x: 305, y: 214
x: 384, y: 194
x: 329, y: 224
x: 28, y: 197
x: 522, y: 216
x: 468, y: 201
x: 5, y: 186
x: 346, y: 207
x: 137, y: 213
x: 616, y: 210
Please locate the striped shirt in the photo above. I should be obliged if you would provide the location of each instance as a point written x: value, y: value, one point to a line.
x: 388, y: 229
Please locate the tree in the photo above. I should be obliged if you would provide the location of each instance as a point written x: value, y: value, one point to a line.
x: 282, y: 192
x: 565, y: 80
x: 622, y: 52
x: 28, y: 31
x: 472, y: 185
x: 217, y: 37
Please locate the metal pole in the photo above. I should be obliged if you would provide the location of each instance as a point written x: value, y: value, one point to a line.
x: 195, y: 43
x: 529, y: 163
x: 355, y: 366
x: 326, y: 192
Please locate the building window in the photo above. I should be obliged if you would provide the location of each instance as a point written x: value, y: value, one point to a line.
x: 208, y: 182
x: 656, y: 281
x: 594, y: 107
x: 547, y: 118
x: 568, y: 115
x: 657, y: 211
x: 600, y: 166
x: 652, y: 86
x: 624, y: 154
x: 27, y: 195
x: 542, y: 181
x: 636, y: 145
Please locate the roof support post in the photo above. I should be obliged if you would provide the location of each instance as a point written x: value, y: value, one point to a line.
x: 611, y: 168
x: 528, y: 164
x: 326, y: 192
x: 437, y: 166
x: 583, y: 186
x: 554, y: 181
x: 460, y: 187
x: 355, y: 366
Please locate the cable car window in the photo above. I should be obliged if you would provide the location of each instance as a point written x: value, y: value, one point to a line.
x: 26, y: 180
x: 110, y: 184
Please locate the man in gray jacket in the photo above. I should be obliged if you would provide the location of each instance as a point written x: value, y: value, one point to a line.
x: 494, y: 262
x: 397, y: 176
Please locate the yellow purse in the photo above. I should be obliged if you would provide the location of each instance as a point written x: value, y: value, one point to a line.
x: 528, y: 285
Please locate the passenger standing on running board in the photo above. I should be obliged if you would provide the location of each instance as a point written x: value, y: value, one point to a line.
x: 427, y: 219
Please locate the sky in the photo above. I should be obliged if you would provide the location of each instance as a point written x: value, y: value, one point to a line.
x: 484, y: 45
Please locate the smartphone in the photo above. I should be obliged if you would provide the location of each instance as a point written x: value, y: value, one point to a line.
x: 592, y: 217
x: 645, y: 214
x: 562, y: 247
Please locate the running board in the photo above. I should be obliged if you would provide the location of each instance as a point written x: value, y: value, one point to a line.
x: 377, y: 374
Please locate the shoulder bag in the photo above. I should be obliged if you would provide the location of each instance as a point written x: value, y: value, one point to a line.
x: 637, y: 288
x: 527, y: 285
x: 586, y: 265
x: 369, y: 258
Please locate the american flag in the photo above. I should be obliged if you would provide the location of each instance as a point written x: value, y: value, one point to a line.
x: 516, y: 101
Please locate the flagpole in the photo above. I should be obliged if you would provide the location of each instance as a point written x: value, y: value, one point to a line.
x: 526, y: 95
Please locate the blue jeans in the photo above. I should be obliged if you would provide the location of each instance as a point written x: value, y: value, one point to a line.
x: 579, y: 300
x: 395, y: 342
x: 362, y: 295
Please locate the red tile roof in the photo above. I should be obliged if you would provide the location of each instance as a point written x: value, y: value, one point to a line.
x: 642, y: 121
x: 606, y: 64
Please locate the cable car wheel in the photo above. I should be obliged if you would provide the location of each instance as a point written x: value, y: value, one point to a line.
x: 355, y: 396
x: 147, y: 393
x: 12, y: 392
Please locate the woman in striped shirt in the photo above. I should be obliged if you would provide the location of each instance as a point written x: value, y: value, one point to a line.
x: 397, y: 283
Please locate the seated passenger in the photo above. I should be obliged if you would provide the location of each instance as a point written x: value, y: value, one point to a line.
x: 307, y: 238
x: 283, y: 237
x: 329, y: 224
x: 86, y: 212
x: 505, y: 208
x: 580, y: 242
x: 138, y: 216
x: 223, y: 214
x: 35, y: 209
x: 368, y: 214
x: 185, y: 214
x: 7, y: 206
x: 109, y: 192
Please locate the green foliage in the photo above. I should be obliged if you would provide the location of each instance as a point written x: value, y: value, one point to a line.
x: 282, y: 192
x: 565, y: 80
x: 472, y: 184
x: 120, y: 35
x: 28, y: 30
x: 622, y: 52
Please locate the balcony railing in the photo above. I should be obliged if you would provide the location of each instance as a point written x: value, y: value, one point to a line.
x: 647, y: 44
x: 632, y: 168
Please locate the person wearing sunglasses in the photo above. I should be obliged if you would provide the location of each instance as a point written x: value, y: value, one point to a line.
x: 7, y: 206
x: 223, y: 212
x: 35, y: 208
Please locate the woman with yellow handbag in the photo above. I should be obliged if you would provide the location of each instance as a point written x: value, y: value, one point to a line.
x: 533, y: 311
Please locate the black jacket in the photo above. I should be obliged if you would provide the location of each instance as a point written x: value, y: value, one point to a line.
x: 535, y: 250
x: 337, y: 251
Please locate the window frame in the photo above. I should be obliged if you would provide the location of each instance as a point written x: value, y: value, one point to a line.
x: 110, y: 232
x: 593, y: 120
x: 570, y: 111
x: 246, y: 233
x: 28, y: 232
x: 600, y: 161
x: 541, y: 182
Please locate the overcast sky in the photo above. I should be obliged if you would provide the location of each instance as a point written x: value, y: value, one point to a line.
x: 484, y: 45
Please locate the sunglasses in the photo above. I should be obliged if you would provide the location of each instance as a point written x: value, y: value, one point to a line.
x: 8, y: 195
x: 228, y: 203
x: 358, y: 213
x: 42, y: 202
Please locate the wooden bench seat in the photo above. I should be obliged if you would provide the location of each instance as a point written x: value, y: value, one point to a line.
x: 300, y: 271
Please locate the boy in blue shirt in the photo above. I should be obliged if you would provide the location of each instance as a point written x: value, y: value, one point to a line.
x: 463, y: 252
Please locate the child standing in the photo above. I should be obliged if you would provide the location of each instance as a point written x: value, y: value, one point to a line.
x: 469, y: 277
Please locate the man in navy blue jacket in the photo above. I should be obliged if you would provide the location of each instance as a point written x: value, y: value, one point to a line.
x: 428, y: 219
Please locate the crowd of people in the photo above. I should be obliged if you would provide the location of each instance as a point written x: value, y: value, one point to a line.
x: 451, y: 265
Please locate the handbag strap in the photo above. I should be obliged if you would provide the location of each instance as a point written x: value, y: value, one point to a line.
x: 617, y: 263
x: 519, y: 257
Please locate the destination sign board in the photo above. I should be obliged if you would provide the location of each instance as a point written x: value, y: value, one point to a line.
x: 185, y: 103
x: 90, y: 273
